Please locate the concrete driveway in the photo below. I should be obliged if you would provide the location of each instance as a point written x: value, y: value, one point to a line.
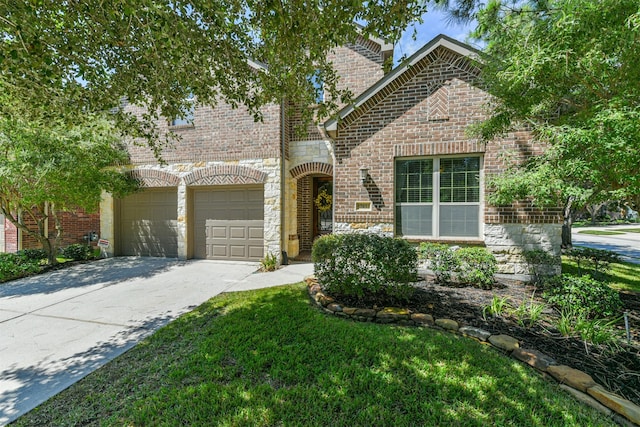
x: 627, y: 244
x: 58, y: 327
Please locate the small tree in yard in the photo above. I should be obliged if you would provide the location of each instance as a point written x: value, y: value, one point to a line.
x: 47, y: 167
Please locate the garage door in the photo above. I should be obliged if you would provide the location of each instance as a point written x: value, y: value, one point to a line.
x: 229, y: 223
x: 148, y: 224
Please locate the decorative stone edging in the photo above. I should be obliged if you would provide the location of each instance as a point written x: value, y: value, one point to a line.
x: 579, y: 384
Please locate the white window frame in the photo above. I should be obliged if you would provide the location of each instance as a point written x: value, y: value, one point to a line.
x: 436, y: 204
x: 180, y: 122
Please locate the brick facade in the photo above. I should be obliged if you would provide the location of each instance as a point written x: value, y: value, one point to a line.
x: 75, y: 226
x: 424, y: 115
x: 219, y: 133
x: 424, y: 109
x: 421, y: 109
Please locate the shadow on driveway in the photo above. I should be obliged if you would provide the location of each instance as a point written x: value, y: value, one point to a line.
x: 23, y: 388
x: 105, y: 271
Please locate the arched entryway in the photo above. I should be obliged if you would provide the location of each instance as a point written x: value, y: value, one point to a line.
x: 314, y: 202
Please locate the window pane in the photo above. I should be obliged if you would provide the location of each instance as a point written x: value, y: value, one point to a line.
x: 459, y: 195
x: 473, y: 194
x: 445, y: 195
x: 414, y: 220
x: 414, y: 181
x: 459, y: 179
x: 459, y: 221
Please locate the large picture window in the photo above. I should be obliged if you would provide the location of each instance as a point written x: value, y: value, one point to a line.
x: 438, y: 197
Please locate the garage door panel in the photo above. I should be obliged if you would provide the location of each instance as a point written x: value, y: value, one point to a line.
x: 256, y: 252
x: 256, y: 233
x: 219, y: 251
x: 237, y: 239
x: 148, y: 224
x: 233, y: 234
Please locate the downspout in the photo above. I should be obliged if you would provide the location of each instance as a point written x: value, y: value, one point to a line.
x: 283, y: 236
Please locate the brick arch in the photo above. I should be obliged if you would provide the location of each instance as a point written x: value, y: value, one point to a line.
x: 154, y: 178
x: 309, y: 168
x: 225, y: 174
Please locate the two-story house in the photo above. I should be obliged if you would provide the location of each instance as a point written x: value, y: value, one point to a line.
x: 398, y: 161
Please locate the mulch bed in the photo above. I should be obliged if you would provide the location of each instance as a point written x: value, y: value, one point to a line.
x: 616, y: 368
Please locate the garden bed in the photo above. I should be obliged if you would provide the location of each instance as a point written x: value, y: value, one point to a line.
x: 615, y: 367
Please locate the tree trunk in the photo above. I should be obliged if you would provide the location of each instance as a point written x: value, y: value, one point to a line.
x: 567, y: 222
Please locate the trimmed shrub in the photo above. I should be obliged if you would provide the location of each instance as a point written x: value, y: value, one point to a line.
x: 470, y: 266
x: 33, y: 254
x: 13, y: 266
x: 440, y: 259
x: 77, y: 252
x: 365, y: 265
x: 583, y: 295
x: 541, y: 264
x: 476, y: 267
x: 597, y: 260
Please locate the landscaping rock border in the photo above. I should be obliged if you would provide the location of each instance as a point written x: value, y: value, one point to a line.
x: 579, y: 384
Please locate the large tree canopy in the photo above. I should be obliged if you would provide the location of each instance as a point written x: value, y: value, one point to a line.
x: 48, y: 167
x: 78, y: 56
x: 568, y: 69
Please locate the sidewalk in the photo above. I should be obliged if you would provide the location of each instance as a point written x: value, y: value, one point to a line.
x: 58, y: 327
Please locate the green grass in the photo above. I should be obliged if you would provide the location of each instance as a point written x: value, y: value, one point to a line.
x: 629, y: 230
x: 266, y: 358
x: 600, y: 232
x: 623, y: 276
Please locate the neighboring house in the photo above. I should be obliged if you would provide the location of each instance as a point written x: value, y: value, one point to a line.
x: 76, y: 225
x: 396, y: 162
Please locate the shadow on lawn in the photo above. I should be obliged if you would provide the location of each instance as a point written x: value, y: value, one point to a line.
x: 22, y: 389
x: 268, y: 358
x: 105, y: 271
x: 273, y: 360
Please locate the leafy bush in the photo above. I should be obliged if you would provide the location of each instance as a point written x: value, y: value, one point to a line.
x: 269, y: 262
x: 13, y: 266
x: 583, y: 295
x: 33, y: 254
x: 365, y: 265
x: 476, y: 266
x: 540, y: 263
x: 597, y: 260
x: 440, y: 259
x: 77, y: 252
x: 473, y: 266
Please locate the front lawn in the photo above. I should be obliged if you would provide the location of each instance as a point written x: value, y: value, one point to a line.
x: 267, y: 357
x: 623, y: 276
x: 600, y: 232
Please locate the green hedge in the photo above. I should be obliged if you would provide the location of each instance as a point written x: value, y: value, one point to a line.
x: 365, y: 265
x: 583, y: 295
x: 468, y: 266
x: 13, y: 266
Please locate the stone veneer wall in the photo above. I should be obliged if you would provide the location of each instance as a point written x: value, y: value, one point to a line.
x: 508, y: 242
x: 272, y: 206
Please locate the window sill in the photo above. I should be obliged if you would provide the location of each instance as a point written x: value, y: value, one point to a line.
x: 181, y: 127
x: 448, y: 240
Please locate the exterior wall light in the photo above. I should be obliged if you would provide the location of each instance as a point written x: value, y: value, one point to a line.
x: 364, y: 174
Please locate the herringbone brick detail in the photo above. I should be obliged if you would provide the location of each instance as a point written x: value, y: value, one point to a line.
x: 150, y: 178
x: 438, y: 105
x: 225, y: 174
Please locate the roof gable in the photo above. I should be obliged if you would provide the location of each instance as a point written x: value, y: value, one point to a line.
x: 400, y: 75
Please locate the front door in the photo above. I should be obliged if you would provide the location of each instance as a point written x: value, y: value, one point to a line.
x: 322, y: 206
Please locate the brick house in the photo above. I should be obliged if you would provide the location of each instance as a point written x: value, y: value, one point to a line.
x: 76, y: 225
x: 397, y: 162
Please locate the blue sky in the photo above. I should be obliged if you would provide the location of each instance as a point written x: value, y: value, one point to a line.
x: 435, y: 22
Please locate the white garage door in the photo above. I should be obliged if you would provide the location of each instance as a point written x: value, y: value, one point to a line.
x: 148, y: 224
x: 229, y: 223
